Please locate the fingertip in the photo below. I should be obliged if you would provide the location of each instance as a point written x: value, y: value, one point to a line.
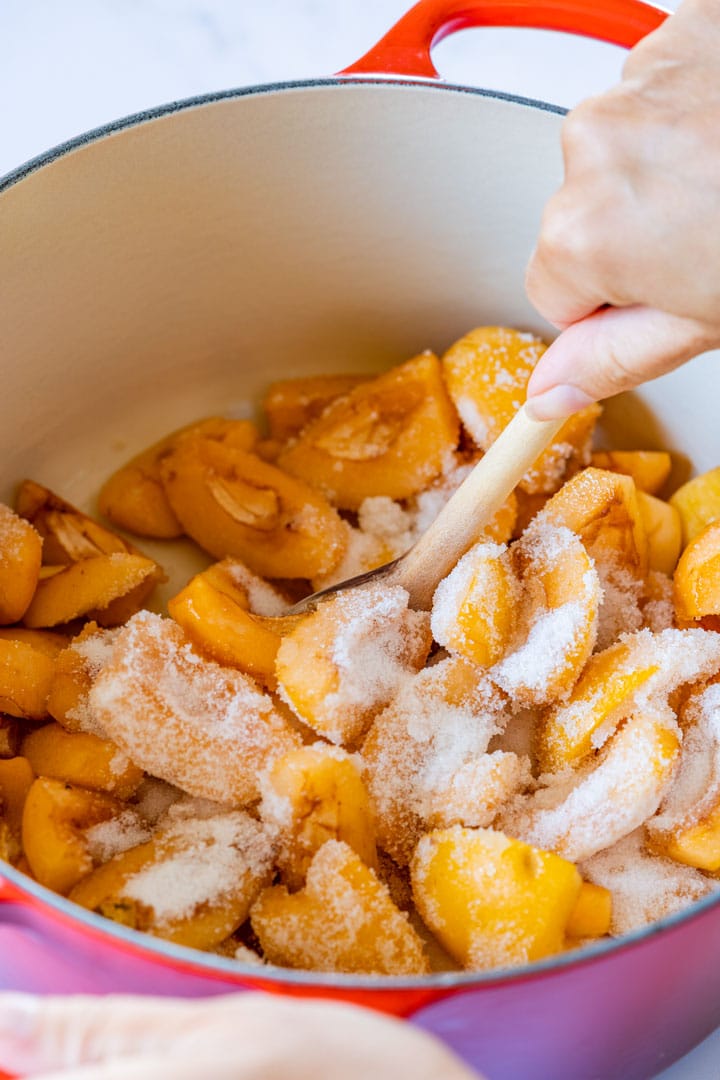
x: 557, y: 403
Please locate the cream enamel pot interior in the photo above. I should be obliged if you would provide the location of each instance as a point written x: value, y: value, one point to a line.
x: 168, y: 267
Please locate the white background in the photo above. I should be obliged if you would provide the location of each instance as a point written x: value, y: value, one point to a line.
x: 69, y: 66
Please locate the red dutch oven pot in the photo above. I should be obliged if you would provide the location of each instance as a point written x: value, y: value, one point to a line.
x: 170, y: 265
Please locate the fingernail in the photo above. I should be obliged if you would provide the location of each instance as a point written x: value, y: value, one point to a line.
x: 557, y: 402
x: 18, y: 1015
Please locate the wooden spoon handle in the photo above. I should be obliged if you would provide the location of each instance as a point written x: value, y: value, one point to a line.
x: 472, y: 507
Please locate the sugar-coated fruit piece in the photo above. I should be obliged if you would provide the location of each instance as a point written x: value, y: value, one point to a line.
x: 389, y: 436
x: 648, y: 468
x: 134, y: 497
x: 592, y: 915
x: 475, y: 607
x: 663, y: 530
x: 90, y: 587
x: 343, y: 920
x: 603, y: 696
x: 20, y: 558
x: 606, y: 800
x: 556, y: 616
x: 639, y: 672
x: 698, y: 503
x: 602, y: 508
x: 687, y: 826
x: 313, y: 795
x: 344, y: 661
x: 83, y: 759
x: 55, y: 817
x: 697, y: 576
x: 491, y: 900
x: 214, y: 611
x: 192, y: 883
x: 26, y: 675
x: 290, y: 404
x: 427, y: 761
x: 233, y: 503
x: 486, y: 373
x: 209, y: 730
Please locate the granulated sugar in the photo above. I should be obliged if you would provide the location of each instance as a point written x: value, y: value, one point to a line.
x: 644, y: 887
x: 112, y: 837
x: 201, y: 863
x: 206, y: 729
x: 363, y: 551
x: 658, y: 606
x: 262, y: 597
x: 620, y: 611
x: 93, y: 648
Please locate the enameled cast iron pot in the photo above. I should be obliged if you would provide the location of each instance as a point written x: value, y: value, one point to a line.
x: 169, y: 266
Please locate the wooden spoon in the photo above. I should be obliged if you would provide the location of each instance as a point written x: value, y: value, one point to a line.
x: 461, y: 521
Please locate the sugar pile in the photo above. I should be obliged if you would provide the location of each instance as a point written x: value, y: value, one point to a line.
x: 644, y: 887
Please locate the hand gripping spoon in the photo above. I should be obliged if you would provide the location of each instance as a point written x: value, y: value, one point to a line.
x: 460, y: 522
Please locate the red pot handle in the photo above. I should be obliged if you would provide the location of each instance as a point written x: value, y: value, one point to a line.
x: 406, y: 48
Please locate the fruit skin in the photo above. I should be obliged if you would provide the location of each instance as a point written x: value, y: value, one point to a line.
x: 698, y: 503
x: 696, y: 583
x: 389, y: 436
x: 20, y: 559
x: 343, y: 920
x: 493, y: 901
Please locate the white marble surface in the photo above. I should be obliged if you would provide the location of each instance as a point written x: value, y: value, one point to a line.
x: 66, y: 67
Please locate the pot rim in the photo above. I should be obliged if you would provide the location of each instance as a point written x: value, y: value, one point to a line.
x: 86, y: 138
x: 209, y: 964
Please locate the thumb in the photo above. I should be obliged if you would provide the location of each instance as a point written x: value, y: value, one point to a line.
x: 613, y: 350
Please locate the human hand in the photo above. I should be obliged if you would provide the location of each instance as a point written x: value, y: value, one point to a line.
x: 240, y: 1037
x: 635, y: 224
